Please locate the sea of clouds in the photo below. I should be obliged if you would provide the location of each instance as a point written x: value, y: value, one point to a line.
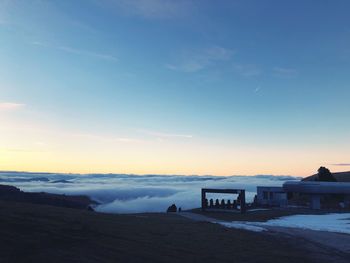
x: 125, y: 193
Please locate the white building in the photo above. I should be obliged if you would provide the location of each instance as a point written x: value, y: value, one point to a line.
x: 314, y: 190
x: 317, y: 190
x: 271, y: 196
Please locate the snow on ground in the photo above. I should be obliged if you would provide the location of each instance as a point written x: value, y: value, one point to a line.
x: 338, y: 223
x: 242, y: 225
x: 258, y: 209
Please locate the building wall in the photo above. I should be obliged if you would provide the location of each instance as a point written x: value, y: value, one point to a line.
x: 273, y: 196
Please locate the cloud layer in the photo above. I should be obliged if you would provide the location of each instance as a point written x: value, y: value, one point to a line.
x: 122, y: 193
x: 10, y: 105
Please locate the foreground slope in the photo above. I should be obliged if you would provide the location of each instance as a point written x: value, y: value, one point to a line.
x: 40, y: 233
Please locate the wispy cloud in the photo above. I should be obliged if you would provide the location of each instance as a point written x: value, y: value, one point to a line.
x: 153, y: 9
x: 11, y: 106
x: 106, y: 138
x: 247, y: 70
x: 21, y: 150
x: 197, y: 60
x: 87, y: 53
x: 340, y: 164
x: 285, y: 72
x: 257, y: 89
x: 76, y: 51
x: 166, y: 135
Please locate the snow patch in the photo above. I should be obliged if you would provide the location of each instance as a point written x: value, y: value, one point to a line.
x: 339, y: 223
x: 242, y: 225
x: 258, y: 209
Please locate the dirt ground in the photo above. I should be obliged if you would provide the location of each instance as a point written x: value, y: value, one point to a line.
x: 39, y: 233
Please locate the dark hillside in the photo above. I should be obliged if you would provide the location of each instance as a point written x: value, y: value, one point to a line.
x: 39, y: 233
x: 340, y: 177
x: 13, y: 194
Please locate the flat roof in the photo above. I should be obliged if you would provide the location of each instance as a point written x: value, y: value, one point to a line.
x: 308, y: 187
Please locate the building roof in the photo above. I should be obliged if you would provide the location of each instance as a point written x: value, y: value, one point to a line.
x: 310, y: 187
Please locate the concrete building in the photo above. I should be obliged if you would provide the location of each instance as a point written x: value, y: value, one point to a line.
x: 318, y: 190
x: 317, y: 193
x: 271, y: 196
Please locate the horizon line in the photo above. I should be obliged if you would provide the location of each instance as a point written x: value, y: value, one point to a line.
x: 157, y: 174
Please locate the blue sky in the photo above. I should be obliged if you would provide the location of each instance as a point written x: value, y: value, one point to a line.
x: 256, y: 79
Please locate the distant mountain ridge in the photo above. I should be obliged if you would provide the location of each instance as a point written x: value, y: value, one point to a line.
x: 340, y: 177
x: 24, y: 180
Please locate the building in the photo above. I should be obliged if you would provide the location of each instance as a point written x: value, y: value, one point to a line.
x: 238, y: 204
x: 319, y: 191
x: 271, y: 196
x: 316, y: 194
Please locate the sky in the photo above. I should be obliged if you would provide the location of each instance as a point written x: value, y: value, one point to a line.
x: 237, y: 87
